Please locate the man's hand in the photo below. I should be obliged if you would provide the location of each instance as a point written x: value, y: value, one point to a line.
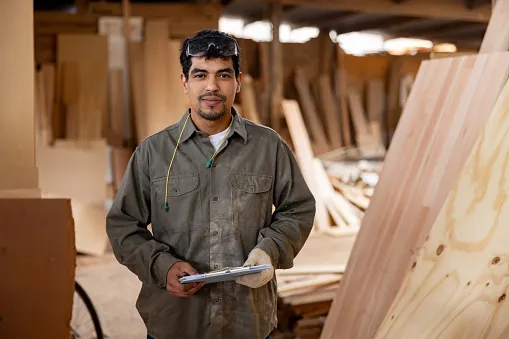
x: 255, y: 280
x: 174, y: 287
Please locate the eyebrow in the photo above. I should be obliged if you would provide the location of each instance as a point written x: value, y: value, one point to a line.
x: 201, y: 70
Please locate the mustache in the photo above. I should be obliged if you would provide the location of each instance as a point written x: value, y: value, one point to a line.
x: 212, y: 96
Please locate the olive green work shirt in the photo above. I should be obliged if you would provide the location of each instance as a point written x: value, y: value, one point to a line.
x: 216, y: 216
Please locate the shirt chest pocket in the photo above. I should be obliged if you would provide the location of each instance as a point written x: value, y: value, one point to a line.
x: 250, y: 199
x: 184, y: 203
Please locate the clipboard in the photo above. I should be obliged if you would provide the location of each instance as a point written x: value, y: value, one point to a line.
x: 225, y: 274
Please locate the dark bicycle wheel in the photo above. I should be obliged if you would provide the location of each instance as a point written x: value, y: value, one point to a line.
x: 85, y: 322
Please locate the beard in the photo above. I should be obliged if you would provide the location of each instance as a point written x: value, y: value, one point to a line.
x: 211, y: 113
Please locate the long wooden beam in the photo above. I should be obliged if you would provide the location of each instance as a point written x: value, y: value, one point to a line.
x: 439, y: 9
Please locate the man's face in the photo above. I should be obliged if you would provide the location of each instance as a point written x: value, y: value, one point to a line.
x: 211, y: 87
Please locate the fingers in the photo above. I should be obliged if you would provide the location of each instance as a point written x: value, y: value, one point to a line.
x: 190, y: 290
x: 185, y: 268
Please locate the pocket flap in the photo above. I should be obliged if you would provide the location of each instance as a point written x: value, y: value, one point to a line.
x: 251, y: 183
x: 177, y: 185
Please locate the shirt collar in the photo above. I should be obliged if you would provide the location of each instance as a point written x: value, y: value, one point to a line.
x: 238, y: 126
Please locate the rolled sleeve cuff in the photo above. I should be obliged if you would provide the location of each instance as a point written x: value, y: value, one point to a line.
x: 268, y: 246
x: 162, y: 265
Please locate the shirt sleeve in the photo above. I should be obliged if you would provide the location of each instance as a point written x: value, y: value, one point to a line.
x: 126, y: 226
x: 294, y: 213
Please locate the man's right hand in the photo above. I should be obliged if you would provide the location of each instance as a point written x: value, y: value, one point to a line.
x: 174, y: 287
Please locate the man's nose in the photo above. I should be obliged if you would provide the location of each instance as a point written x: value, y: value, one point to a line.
x: 212, y: 85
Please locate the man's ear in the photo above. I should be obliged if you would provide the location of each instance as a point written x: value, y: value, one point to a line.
x: 184, y: 82
x: 239, y: 82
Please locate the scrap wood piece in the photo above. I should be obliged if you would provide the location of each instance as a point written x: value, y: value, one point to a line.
x: 496, y: 38
x: 405, y: 87
x: 334, y: 203
x: 460, y: 273
x: 45, y: 227
x: 354, y: 194
x: 304, y: 155
x: 326, y: 293
x: 248, y: 99
x: 341, y: 89
x: 376, y: 99
x: 321, y: 280
x: 331, y: 115
x: 312, y: 269
x: 442, y: 119
x: 316, y: 129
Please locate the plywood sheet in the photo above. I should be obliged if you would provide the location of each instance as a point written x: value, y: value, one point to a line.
x: 17, y: 138
x: 37, y: 263
x: 178, y: 101
x: 458, y: 286
x: 447, y: 108
x: 83, y: 59
x: 156, y: 75
x: 496, y: 38
x: 71, y: 170
x: 330, y: 110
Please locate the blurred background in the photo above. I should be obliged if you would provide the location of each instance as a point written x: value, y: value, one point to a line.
x: 331, y: 76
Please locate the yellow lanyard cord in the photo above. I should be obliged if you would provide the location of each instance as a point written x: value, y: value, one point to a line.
x: 208, y: 164
x: 166, y: 207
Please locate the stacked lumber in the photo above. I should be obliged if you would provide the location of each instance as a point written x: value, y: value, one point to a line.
x: 306, y: 291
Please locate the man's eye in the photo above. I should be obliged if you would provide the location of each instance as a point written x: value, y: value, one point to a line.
x: 225, y: 75
x: 199, y: 76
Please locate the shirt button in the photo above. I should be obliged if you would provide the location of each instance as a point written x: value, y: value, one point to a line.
x: 215, y: 199
x: 216, y: 266
x: 217, y: 300
x: 215, y: 233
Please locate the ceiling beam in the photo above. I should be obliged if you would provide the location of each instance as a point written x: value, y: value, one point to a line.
x: 466, y: 30
x: 327, y: 21
x: 472, y: 4
x: 375, y: 24
x: 442, y: 9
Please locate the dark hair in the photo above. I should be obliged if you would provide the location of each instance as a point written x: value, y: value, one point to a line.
x: 212, y: 53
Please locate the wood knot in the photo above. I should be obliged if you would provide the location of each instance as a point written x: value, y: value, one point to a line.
x: 468, y: 283
x: 415, y: 264
x: 487, y: 284
x: 495, y: 260
x: 502, y: 298
x: 440, y: 249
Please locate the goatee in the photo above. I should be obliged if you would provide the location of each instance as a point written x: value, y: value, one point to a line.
x: 211, y: 115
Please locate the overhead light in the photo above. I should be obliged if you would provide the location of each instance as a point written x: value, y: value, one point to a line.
x: 445, y: 48
x: 401, y: 46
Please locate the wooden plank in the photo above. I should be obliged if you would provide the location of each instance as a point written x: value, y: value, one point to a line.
x: 248, y: 99
x: 178, y: 102
x: 83, y: 59
x: 376, y: 99
x: 116, y: 116
x: 458, y: 285
x: 496, y: 38
x: 276, y: 66
x: 311, y: 115
x: 17, y: 100
x: 304, y: 155
x: 329, y: 107
x: 438, y: 9
x: 341, y: 88
x: 46, y: 228
x: 156, y: 75
x: 137, y: 61
x: 441, y: 121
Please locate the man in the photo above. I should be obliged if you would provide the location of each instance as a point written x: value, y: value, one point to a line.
x: 207, y: 185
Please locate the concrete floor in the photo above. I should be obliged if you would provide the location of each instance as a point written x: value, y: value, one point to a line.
x: 113, y: 290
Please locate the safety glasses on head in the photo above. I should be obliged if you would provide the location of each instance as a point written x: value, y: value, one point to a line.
x: 225, y: 46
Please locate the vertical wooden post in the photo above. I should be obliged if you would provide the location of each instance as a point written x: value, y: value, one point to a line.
x: 276, y: 92
x: 17, y: 130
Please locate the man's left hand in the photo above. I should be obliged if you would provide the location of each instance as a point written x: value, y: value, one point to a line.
x: 255, y: 280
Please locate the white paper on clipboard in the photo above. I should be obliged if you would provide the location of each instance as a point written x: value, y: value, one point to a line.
x: 225, y: 274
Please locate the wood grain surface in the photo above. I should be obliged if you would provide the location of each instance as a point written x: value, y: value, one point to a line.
x: 458, y: 286
x: 449, y: 104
